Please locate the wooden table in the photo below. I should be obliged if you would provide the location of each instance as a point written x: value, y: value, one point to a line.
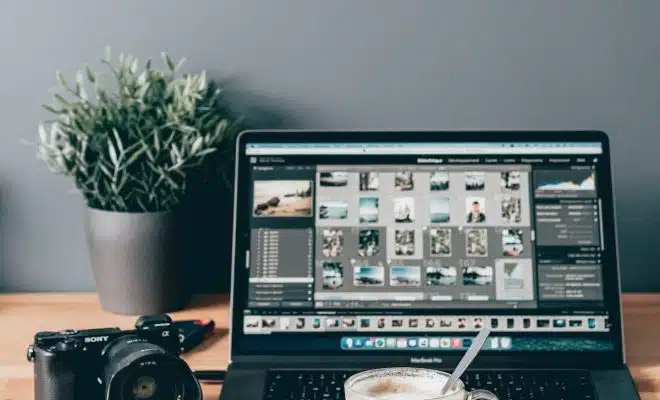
x: 21, y: 315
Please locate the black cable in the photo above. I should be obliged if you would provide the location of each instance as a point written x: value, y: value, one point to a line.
x: 214, y: 376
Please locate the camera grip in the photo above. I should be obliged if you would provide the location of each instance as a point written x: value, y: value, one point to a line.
x: 54, y: 379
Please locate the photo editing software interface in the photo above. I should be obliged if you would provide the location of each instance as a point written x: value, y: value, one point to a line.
x: 379, y: 247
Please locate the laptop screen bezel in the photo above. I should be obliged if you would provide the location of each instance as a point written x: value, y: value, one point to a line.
x: 612, y: 289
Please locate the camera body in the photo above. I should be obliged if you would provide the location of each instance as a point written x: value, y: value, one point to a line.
x: 110, y: 363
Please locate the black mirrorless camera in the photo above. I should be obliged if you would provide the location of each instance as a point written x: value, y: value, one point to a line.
x: 111, y: 364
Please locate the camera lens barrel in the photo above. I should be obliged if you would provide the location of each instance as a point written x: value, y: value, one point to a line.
x: 140, y: 370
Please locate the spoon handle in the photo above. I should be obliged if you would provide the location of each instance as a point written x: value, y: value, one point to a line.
x: 467, y: 359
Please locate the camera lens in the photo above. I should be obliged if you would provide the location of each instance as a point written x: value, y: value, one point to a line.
x: 144, y: 387
x: 149, y: 384
x: 140, y: 370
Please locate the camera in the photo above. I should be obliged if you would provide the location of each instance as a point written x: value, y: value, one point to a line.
x: 111, y: 364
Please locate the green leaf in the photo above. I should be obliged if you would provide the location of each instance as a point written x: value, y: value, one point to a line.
x: 58, y: 97
x: 61, y: 80
x: 90, y: 76
x: 150, y: 155
x: 43, y: 136
x: 51, y: 109
x: 188, y: 129
x: 106, y: 171
x: 133, y: 157
x: 120, y: 146
x: 222, y: 126
x: 197, y: 144
x: 202, y: 81
x: 113, y: 154
x: 122, y: 181
x: 143, y: 90
x: 80, y: 80
x: 205, y: 152
x: 168, y: 61
x: 170, y: 180
x: 142, y: 206
x: 180, y: 64
x: 156, y: 141
x: 176, y: 151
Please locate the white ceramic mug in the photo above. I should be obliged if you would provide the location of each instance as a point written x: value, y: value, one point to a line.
x: 407, y: 384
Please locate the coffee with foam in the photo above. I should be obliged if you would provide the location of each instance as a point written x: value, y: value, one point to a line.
x: 401, y: 384
x: 402, y: 388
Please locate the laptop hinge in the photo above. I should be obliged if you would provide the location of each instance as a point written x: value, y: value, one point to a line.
x: 573, y: 362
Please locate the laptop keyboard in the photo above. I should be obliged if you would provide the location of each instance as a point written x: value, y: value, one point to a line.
x: 512, y: 385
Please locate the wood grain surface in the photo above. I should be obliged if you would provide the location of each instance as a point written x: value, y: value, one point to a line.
x: 21, y: 315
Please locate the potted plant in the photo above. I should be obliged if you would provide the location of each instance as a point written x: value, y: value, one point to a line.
x: 130, y: 150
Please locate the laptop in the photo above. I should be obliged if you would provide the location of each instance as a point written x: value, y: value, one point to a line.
x: 356, y: 250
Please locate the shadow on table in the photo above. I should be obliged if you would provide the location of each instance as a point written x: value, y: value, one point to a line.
x: 217, y: 335
x: 206, y: 301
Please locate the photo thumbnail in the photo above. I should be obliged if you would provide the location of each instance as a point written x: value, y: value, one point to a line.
x: 475, y: 208
x: 368, y: 276
x: 440, y: 276
x: 368, y: 242
x: 333, y: 275
x: 282, y: 198
x: 369, y: 181
x: 404, y: 242
x: 404, y: 181
x: 512, y: 242
x: 333, y: 242
x: 439, y: 210
x: 514, y: 277
x: 478, y: 275
x: 333, y: 210
x: 404, y: 209
x: 368, y: 209
x: 510, y: 180
x: 511, y: 210
x: 268, y: 323
x: 439, y: 181
x: 476, y: 242
x: 332, y: 179
x: 440, y: 241
x: 475, y: 180
x: 403, y: 275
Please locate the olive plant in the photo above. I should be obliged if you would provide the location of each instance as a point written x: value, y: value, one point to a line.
x: 131, y: 146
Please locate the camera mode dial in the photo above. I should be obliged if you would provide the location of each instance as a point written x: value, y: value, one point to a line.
x: 45, y: 334
x: 148, y: 321
x: 67, y: 345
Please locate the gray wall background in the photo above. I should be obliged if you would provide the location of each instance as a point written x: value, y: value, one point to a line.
x: 426, y: 64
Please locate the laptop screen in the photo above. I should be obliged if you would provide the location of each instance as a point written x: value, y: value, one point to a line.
x: 379, y: 247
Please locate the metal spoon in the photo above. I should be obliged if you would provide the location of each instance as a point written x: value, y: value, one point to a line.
x: 467, y: 359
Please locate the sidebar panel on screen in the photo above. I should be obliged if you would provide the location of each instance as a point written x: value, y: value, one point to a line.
x: 282, y: 237
x: 569, y: 234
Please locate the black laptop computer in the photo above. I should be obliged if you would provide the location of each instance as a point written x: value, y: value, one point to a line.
x: 362, y: 249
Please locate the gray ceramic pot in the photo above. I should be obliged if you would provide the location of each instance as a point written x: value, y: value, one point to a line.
x: 136, y: 261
